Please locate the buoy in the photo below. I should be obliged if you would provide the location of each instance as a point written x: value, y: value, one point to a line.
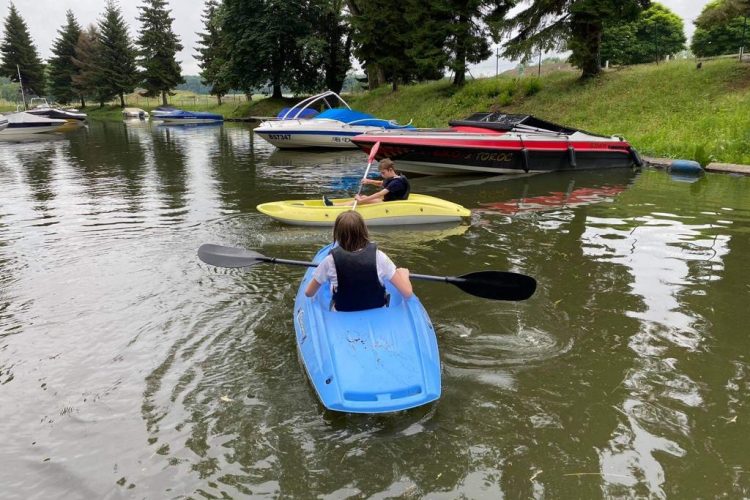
x: 686, y: 167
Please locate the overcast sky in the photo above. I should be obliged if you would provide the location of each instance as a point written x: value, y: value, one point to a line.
x: 45, y: 17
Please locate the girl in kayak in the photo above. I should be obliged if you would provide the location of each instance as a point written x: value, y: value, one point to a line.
x: 356, y: 269
x: 395, y: 186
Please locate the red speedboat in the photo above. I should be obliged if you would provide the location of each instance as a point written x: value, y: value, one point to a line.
x: 499, y: 143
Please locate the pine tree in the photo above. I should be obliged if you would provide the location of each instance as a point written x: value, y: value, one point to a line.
x: 19, y: 54
x: 470, y: 33
x: 211, y: 52
x: 575, y: 25
x: 62, y: 69
x: 89, y: 79
x: 159, y: 46
x: 117, y: 54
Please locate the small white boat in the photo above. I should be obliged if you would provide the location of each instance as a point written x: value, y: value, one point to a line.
x: 40, y: 107
x: 302, y: 127
x: 134, y: 113
x: 22, y: 123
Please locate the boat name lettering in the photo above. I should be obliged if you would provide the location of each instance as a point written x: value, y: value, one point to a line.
x: 280, y: 137
x: 340, y: 139
x: 502, y: 157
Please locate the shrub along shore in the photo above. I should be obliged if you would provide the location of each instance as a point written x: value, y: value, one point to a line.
x: 673, y: 109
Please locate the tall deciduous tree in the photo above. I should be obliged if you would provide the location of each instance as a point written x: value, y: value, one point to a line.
x: 656, y: 33
x: 268, y: 44
x: 721, y: 13
x: 720, y: 39
x: 334, y: 42
x: 19, y: 53
x: 159, y: 46
x: 62, y: 69
x: 117, y: 54
x: 575, y: 25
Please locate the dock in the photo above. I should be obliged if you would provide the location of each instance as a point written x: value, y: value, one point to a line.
x: 731, y: 168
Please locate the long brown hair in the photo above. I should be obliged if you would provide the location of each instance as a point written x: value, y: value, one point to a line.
x: 350, y: 231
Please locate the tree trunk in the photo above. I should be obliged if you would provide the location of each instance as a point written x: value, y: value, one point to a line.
x: 276, y: 91
x: 163, y: 97
x: 459, y: 66
x: 83, y: 102
x: 591, y: 65
x: 218, y: 99
x: 122, y: 100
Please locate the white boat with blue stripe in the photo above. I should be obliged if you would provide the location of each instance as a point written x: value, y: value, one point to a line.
x: 303, y: 127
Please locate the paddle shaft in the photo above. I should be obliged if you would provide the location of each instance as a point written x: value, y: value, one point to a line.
x: 370, y: 159
x: 304, y: 263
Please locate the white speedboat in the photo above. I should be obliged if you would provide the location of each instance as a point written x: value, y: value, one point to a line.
x: 40, y: 107
x: 22, y: 123
x: 302, y: 127
x: 134, y: 113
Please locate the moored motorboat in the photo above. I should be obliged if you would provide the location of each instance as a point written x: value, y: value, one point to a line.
x: 40, y: 107
x: 134, y: 113
x: 189, y: 117
x: 496, y: 143
x: 417, y: 209
x: 372, y: 361
x: 22, y: 123
x: 300, y: 127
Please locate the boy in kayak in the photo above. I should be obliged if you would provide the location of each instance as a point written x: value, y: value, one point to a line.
x: 356, y: 269
x: 395, y: 186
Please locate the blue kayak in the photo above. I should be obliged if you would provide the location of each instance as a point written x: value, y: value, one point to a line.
x: 374, y: 361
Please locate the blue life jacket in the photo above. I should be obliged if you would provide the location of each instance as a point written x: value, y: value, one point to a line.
x: 358, y: 285
x: 398, y: 188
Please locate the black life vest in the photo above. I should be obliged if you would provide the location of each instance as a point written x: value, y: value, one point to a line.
x: 398, y: 191
x: 358, y: 285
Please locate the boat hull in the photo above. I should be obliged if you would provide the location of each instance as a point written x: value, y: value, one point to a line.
x: 495, y: 155
x: 300, y: 134
x: 12, y: 131
x: 374, y: 361
x: 187, y: 121
x: 418, y: 209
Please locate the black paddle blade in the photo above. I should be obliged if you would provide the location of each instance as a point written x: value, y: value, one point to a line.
x: 221, y: 256
x: 496, y: 285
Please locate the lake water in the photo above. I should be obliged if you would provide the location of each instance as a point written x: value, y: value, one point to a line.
x: 129, y: 369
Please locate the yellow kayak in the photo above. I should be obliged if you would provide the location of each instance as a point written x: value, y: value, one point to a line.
x: 418, y: 209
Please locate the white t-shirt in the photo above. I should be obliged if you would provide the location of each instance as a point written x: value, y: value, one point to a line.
x: 326, y: 270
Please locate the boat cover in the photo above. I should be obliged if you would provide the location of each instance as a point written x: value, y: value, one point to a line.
x: 192, y: 115
x: 358, y: 118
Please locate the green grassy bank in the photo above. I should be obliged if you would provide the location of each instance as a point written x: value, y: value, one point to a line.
x: 671, y: 110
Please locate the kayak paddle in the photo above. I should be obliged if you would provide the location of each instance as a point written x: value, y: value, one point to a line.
x: 495, y: 285
x: 370, y: 159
